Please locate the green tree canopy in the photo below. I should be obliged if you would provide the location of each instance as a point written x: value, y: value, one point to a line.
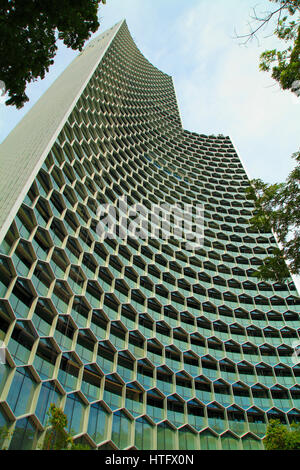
x: 57, y: 438
x: 277, y: 205
x: 29, y: 30
x: 279, y: 437
x: 284, y: 65
x: 277, y: 208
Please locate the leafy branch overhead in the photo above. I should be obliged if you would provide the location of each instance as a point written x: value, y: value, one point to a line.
x: 284, y: 65
x: 277, y: 208
x: 29, y: 31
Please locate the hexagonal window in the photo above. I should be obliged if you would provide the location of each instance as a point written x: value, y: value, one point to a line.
x: 25, y: 221
x: 20, y: 395
x: 284, y: 375
x: 80, y: 311
x: 250, y: 442
x: 165, y: 436
x: 25, y: 435
x: 117, y: 335
x: 175, y: 410
x: 183, y: 384
x: 121, y: 429
x: 145, y: 371
x: 209, y: 440
x: 42, y: 243
x: 73, y: 249
x: 191, y: 363
x: 112, y: 394
x: 45, y: 359
x: 143, y: 434
x: 170, y: 316
x: 128, y: 316
x: 59, y: 262
x: 68, y: 372
x: 105, y: 358
x: 75, y: 410
x: 241, y: 395
x: 76, y: 279
x: 85, y: 346
x: 91, y: 382
x: 42, y: 278
x: 21, y: 342
x: 230, y: 442
x: 204, y: 326
x: 222, y: 392
x: 64, y: 332
x: 111, y: 306
x: 98, y: 425
x: 215, y: 348
x: 216, y: 417
x: 180, y: 339
x: 257, y: 421
x: 49, y: 393
x: 23, y: 258
x: 22, y: 297
x: 43, y: 212
x: 281, y: 398
x: 125, y: 366
x: 237, y: 420
x: 154, y: 309
x: 134, y: 399
x: 246, y: 373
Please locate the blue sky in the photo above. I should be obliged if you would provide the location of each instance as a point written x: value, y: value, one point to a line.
x: 218, y: 84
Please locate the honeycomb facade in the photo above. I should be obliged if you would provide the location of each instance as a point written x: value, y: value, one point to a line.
x: 144, y: 344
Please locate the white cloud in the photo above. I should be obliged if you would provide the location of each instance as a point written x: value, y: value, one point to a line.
x: 218, y: 85
x: 220, y: 89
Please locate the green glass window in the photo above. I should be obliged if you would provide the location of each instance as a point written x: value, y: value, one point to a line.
x: 112, y: 393
x: 250, y: 443
x: 165, y: 437
x: 98, y: 423
x: 74, y: 410
x: 188, y: 440
x: 49, y: 393
x: 208, y: 441
x: 143, y: 434
x: 229, y: 442
x: 21, y: 392
x: 91, y: 381
x: 121, y: 430
x: 25, y: 435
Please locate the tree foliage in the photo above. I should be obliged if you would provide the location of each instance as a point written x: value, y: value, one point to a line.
x: 29, y: 30
x: 279, y: 437
x: 57, y: 438
x: 277, y: 208
x: 284, y: 65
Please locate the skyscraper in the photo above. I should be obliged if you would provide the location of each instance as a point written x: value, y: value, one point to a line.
x: 146, y: 342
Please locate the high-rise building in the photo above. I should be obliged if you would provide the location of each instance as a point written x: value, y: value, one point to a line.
x: 146, y: 342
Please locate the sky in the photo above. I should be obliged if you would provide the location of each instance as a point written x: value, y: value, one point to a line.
x: 219, y: 87
x: 218, y: 83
